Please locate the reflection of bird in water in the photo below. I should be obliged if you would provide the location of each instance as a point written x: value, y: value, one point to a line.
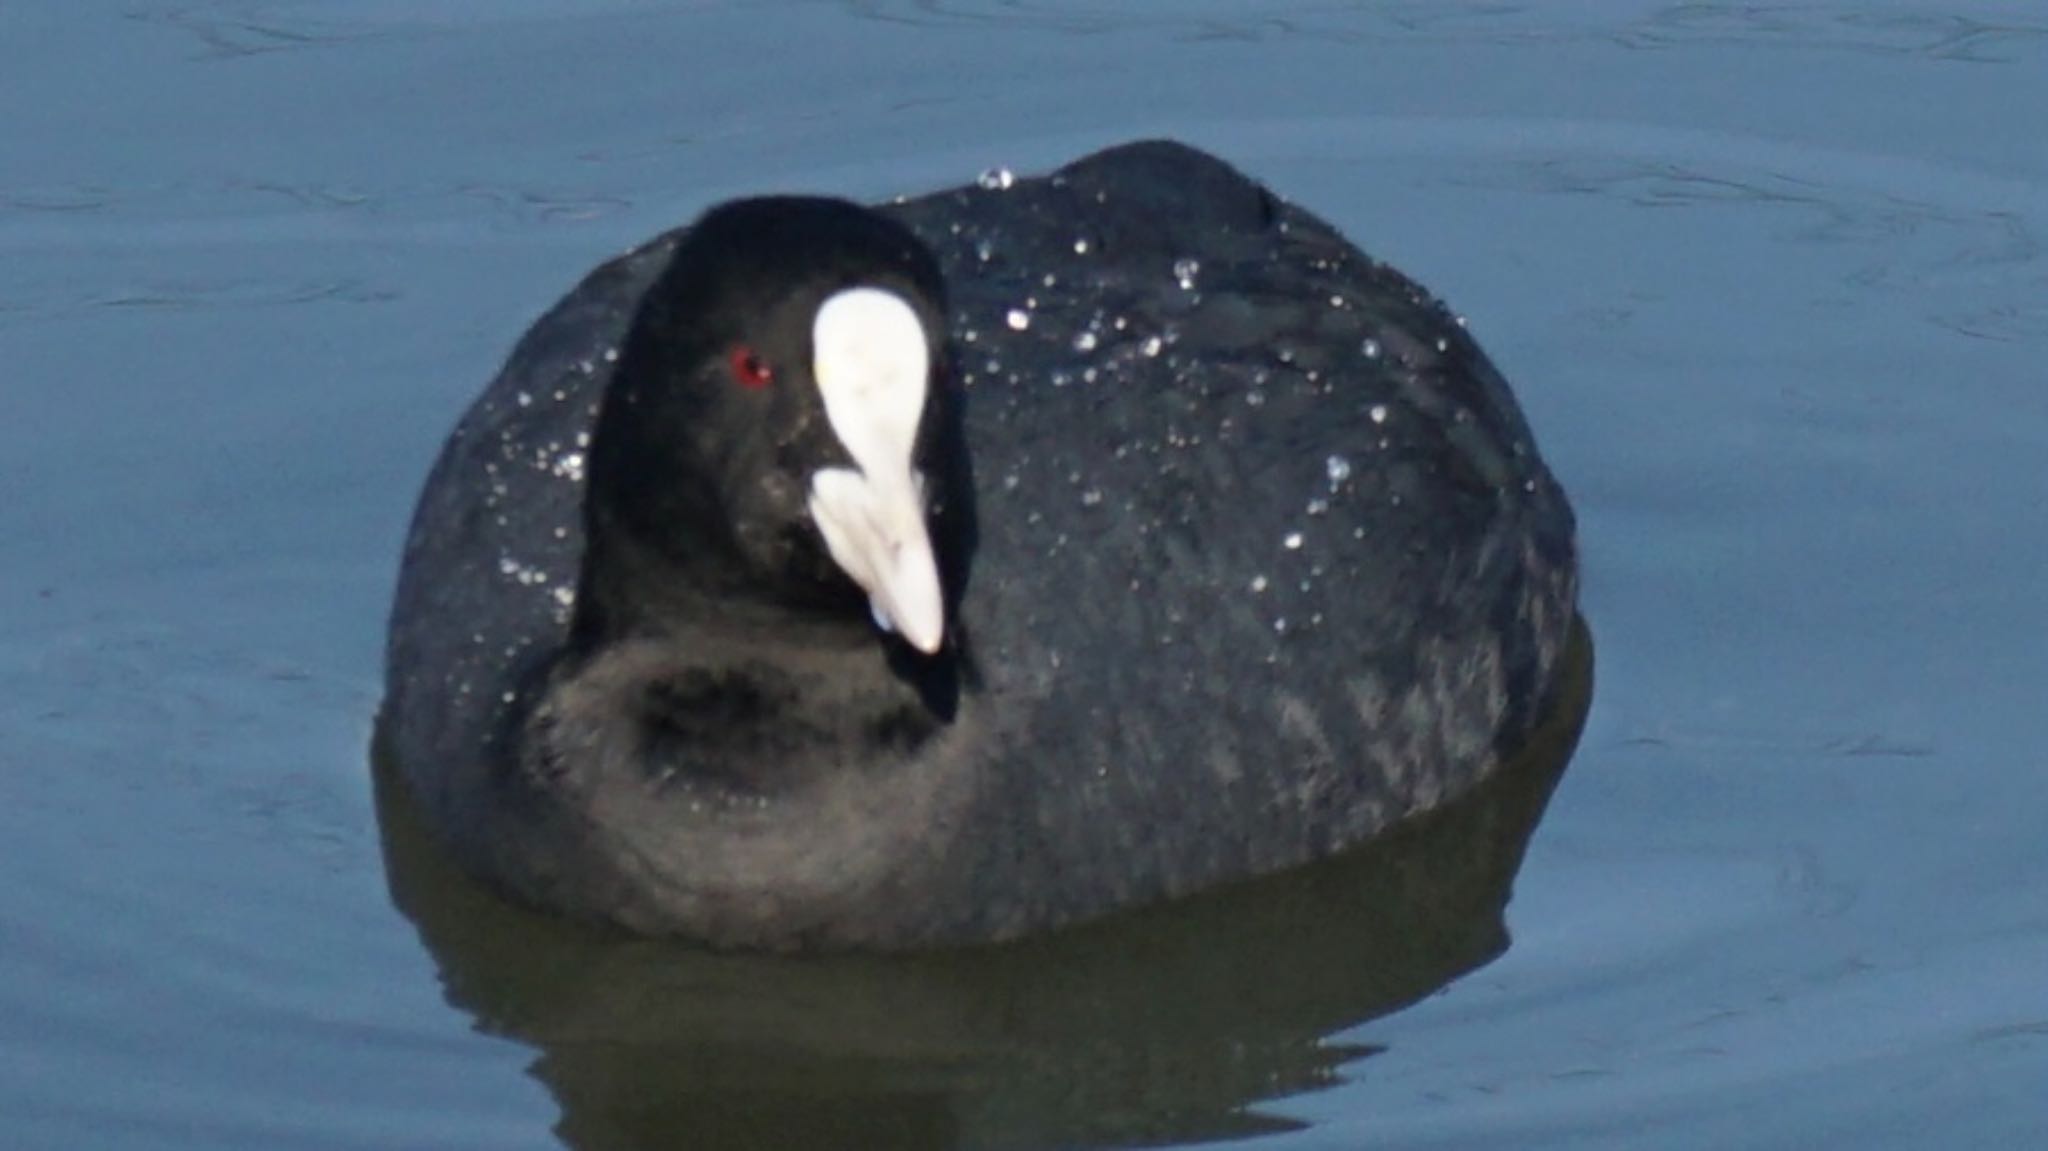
x: 1169, y: 1024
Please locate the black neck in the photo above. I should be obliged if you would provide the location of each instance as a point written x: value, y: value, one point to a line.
x: 630, y: 590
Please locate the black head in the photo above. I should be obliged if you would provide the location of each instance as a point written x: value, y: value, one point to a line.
x: 706, y: 462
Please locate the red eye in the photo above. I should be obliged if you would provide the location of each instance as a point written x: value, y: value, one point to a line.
x: 749, y: 369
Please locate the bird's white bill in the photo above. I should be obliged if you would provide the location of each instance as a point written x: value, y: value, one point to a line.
x: 873, y: 370
x: 878, y: 537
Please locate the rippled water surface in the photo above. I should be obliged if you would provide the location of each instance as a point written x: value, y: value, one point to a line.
x: 1769, y: 280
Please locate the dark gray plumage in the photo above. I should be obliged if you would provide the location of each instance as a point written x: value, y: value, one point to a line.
x: 1248, y: 554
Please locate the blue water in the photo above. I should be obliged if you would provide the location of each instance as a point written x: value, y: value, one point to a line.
x: 1770, y: 283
